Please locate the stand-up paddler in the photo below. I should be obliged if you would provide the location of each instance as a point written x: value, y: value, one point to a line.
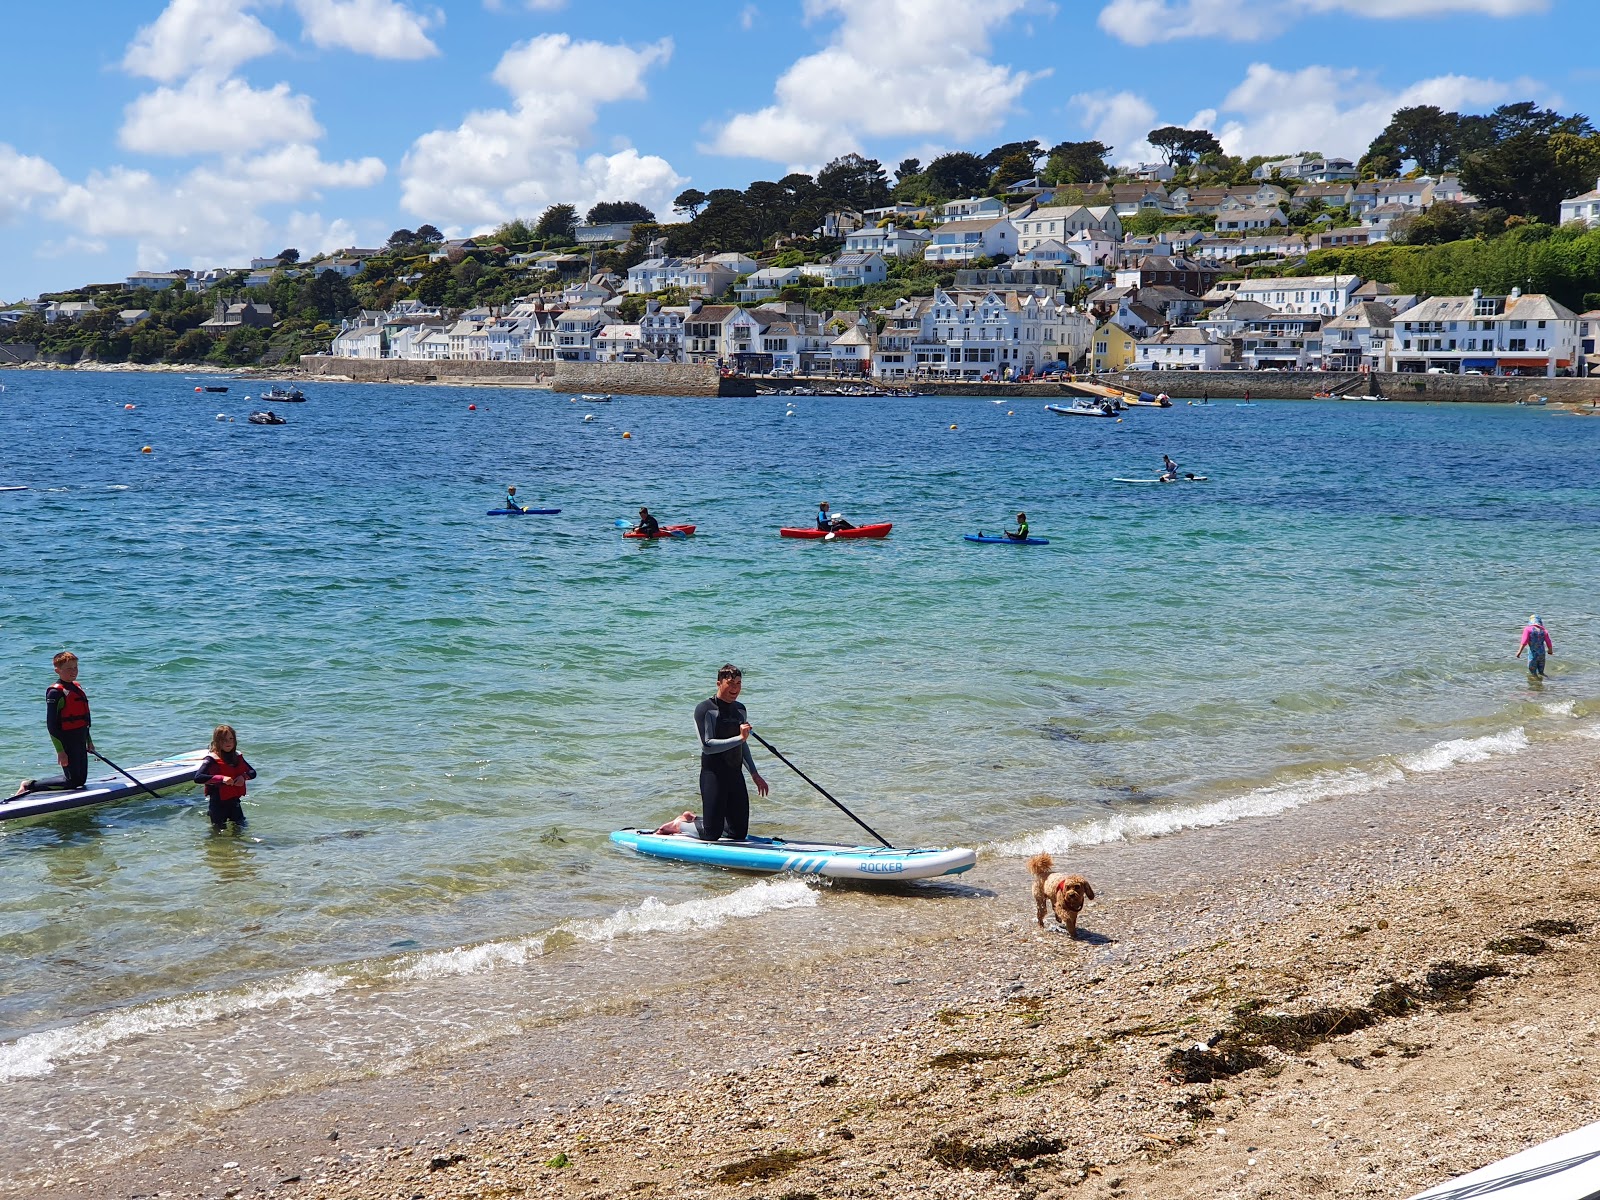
x: 724, y: 729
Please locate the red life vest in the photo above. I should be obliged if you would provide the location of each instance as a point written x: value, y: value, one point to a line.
x: 234, y: 788
x: 74, y: 705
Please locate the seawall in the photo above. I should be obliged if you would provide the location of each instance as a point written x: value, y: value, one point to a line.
x: 1297, y: 385
x: 642, y: 379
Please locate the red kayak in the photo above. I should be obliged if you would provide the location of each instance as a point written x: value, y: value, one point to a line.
x: 667, y: 531
x: 860, y: 531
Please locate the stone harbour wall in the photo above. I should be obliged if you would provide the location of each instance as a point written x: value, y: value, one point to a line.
x: 1298, y: 385
x: 640, y: 379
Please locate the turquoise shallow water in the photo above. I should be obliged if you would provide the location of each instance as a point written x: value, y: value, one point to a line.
x: 450, y: 712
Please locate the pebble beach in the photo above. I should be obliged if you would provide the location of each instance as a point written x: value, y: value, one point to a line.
x: 1405, y: 997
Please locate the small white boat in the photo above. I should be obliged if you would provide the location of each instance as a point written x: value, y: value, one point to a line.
x: 1082, y: 408
x: 606, y: 399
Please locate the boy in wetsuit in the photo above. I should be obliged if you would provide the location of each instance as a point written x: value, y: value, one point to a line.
x: 1021, y: 534
x: 648, y: 525
x: 511, y: 498
x: 724, y: 757
x: 66, y: 716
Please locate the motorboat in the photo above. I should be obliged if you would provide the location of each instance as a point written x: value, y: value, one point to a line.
x: 280, y: 394
x: 1082, y: 408
x: 266, y: 418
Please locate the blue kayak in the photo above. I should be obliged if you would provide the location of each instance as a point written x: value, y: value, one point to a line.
x: 773, y: 855
x: 522, y: 512
x: 992, y: 539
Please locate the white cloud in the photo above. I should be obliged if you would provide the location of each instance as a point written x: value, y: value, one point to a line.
x: 380, y: 28
x: 748, y: 16
x: 1337, y: 110
x: 209, y: 215
x: 892, y: 68
x: 500, y: 163
x: 209, y: 115
x: 1119, y: 120
x: 190, y: 35
x: 546, y: 5
x: 70, y: 247
x: 1145, y: 22
x: 25, y: 178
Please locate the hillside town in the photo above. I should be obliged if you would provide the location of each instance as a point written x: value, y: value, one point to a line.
x: 1153, y: 268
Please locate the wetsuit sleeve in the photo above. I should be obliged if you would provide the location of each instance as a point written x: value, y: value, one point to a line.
x: 749, y: 760
x: 1548, y: 644
x: 706, y: 725
x: 208, y: 770
x: 249, y: 771
x: 1527, y: 636
x: 54, y: 698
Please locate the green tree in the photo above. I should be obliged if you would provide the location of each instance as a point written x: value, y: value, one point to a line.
x: 289, y: 256
x: 689, y: 202
x: 1077, y: 162
x: 955, y: 175
x: 329, y: 296
x: 427, y: 235
x: 1521, y: 172
x: 1029, y: 150
x: 852, y: 181
x: 435, y: 283
x: 907, y: 168
x: 556, y: 223
x: 1436, y: 224
x: 400, y: 239
x: 615, y: 212
x: 1424, y: 133
x: 1011, y: 169
x: 1180, y: 146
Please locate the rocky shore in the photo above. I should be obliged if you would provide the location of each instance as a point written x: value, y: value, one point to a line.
x: 1403, y: 999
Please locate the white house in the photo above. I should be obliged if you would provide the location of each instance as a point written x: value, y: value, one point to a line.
x: 599, y: 235
x: 852, y: 270
x: 67, y: 310
x: 1307, y: 167
x: 972, y: 334
x: 888, y: 241
x: 1247, y: 220
x: 575, y: 331
x: 1319, y: 295
x: 360, y: 341
x: 963, y: 241
x: 661, y: 330
x: 1360, y: 338
x: 1378, y: 221
x: 652, y: 275
x: 1498, y: 335
x: 1179, y: 350
x: 618, y: 343
x: 974, y: 208
x: 851, y: 352
x: 765, y: 283
x: 1287, y: 343
x: 1154, y: 172
x: 1062, y: 222
x: 156, y: 281
x: 1585, y: 208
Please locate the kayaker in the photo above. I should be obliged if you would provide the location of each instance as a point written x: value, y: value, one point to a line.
x: 1536, y: 641
x: 511, y: 498
x: 724, y: 730
x: 830, y: 522
x: 648, y: 526
x: 223, y: 773
x: 1169, y: 470
x: 1021, y: 532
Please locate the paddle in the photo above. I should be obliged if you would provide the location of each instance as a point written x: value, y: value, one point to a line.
x: 120, y: 771
x: 819, y: 788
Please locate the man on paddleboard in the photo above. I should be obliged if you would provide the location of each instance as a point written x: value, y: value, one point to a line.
x: 1169, y: 470
x: 724, y: 730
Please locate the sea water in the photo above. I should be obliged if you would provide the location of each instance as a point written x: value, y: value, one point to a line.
x: 450, y: 712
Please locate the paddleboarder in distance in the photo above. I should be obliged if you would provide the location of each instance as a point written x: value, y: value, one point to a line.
x: 1169, y: 470
x: 1021, y: 532
x: 1536, y: 641
x: 724, y: 730
x: 511, y: 498
x: 648, y: 525
x: 829, y: 522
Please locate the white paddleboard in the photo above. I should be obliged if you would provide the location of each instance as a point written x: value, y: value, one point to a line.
x: 1564, y: 1168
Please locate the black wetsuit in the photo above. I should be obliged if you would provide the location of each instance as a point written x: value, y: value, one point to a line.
x: 724, y: 801
x: 222, y: 810
x: 649, y: 526
x: 74, y: 742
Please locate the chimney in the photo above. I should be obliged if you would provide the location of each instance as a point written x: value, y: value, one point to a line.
x: 1516, y: 293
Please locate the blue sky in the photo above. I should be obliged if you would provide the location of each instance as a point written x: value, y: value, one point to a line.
x: 144, y: 135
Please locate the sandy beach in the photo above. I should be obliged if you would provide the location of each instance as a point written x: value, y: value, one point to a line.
x: 1408, y: 994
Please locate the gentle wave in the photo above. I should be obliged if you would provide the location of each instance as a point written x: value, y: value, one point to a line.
x: 1274, y: 798
x: 649, y: 916
x: 38, y: 1053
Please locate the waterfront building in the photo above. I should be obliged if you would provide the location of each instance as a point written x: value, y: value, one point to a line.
x: 1114, y: 347
x: 1179, y: 350
x: 1495, y: 335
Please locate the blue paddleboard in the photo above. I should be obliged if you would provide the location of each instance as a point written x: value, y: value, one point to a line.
x: 990, y: 539
x: 773, y: 855
x: 522, y: 512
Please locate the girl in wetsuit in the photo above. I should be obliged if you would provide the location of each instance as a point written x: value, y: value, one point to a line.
x: 223, y: 775
x: 724, y: 757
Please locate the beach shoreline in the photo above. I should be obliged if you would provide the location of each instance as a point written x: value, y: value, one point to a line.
x: 988, y: 1058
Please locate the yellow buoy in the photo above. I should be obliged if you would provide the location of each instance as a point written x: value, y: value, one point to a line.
x: 147, y: 450
x: 1119, y: 420
x: 626, y: 434
x: 952, y: 427
x: 1010, y: 412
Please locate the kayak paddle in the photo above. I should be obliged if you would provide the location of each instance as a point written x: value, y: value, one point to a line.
x: 120, y: 771
x: 819, y: 788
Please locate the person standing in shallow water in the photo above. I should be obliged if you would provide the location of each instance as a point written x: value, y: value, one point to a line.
x: 1536, y: 641
x: 724, y: 730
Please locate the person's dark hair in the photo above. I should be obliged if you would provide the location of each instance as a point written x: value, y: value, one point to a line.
x: 728, y: 671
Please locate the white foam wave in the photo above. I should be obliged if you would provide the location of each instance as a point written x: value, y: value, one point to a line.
x: 1273, y: 798
x: 1258, y: 802
x: 649, y: 916
x: 1560, y: 708
x: 1441, y: 756
x: 1592, y: 732
x: 38, y: 1053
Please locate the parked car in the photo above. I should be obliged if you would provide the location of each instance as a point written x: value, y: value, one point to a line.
x: 1472, y: 372
x: 1440, y: 371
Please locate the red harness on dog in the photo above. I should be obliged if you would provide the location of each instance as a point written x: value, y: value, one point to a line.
x: 1061, y: 887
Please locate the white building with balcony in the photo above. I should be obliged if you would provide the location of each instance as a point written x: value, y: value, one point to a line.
x: 887, y: 240
x: 1495, y: 335
x: 1179, y: 350
x: 1060, y: 223
x: 1585, y: 208
x: 963, y: 241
